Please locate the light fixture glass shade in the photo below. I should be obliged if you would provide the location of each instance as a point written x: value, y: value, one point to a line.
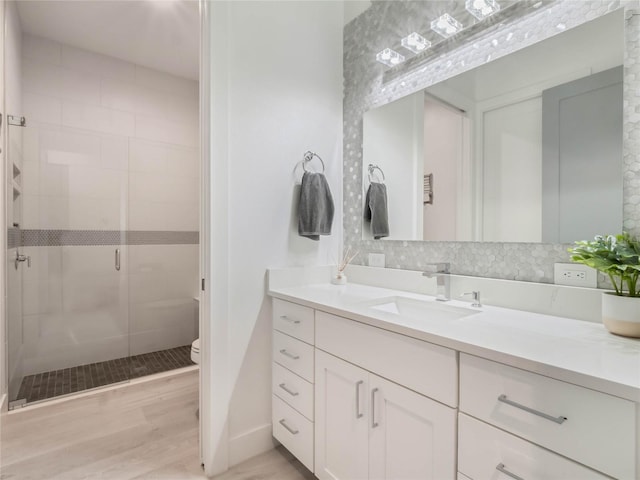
x: 389, y: 57
x: 446, y: 25
x: 415, y: 42
x: 482, y: 9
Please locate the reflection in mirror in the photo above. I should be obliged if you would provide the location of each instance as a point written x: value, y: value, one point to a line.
x: 527, y: 148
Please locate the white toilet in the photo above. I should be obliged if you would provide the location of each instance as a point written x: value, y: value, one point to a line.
x: 195, y: 351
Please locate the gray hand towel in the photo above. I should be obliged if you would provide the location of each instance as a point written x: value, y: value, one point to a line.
x: 375, y: 210
x: 315, y: 208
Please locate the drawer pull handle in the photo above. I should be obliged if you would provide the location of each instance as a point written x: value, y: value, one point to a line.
x: 291, y: 430
x: 501, y: 468
x: 290, y: 355
x: 290, y: 392
x: 503, y: 398
x: 374, y: 424
x: 359, y: 414
x: 284, y: 317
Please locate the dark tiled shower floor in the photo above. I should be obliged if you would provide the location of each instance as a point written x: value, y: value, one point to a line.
x: 75, y: 379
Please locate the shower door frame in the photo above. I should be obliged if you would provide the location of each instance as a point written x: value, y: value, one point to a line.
x: 4, y: 382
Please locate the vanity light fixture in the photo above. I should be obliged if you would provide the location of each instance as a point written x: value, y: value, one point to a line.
x: 446, y: 26
x: 482, y: 9
x: 415, y: 42
x: 389, y: 57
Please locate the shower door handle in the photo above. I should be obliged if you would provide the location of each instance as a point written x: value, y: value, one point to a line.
x: 118, y: 259
x: 22, y: 258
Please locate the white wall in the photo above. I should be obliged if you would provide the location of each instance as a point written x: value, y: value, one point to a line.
x: 276, y: 92
x: 109, y: 145
x: 512, y: 172
x: 13, y: 152
x: 393, y: 139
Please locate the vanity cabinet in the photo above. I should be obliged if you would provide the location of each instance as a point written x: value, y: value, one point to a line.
x: 342, y: 428
x: 356, y: 402
x: 593, y: 428
x: 370, y: 428
x: 293, y: 378
x: 487, y: 452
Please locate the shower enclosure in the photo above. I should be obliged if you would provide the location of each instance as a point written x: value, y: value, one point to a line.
x: 102, y: 252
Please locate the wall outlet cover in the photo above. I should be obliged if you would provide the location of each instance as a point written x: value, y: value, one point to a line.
x: 575, y: 275
x: 376, y: 260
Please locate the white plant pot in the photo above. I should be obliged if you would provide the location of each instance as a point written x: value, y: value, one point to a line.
x: 621, y: 314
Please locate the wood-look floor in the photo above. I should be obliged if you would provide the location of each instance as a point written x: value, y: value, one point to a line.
x: 141, y: 431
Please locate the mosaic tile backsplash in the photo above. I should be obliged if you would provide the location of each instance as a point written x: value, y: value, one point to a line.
x: 364, y: 82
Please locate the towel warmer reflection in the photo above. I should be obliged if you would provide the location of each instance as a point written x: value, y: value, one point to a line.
x: 428, y: 190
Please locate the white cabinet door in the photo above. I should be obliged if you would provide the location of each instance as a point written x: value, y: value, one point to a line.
x: 411, y: 437
x: 341, y: 444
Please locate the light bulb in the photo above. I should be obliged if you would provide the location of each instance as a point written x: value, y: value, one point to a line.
x: 446, y: 25
x: 389, y: 57
x: 482, y: 8
x: 415, y: 42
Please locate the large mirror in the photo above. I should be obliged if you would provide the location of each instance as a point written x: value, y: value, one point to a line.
x: 526, y: 148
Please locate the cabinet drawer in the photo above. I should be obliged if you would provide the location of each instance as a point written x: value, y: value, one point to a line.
x: 599, y: 430
x: 294, y: 431
x: 420, y: 366
x: 293, y: 319
x: 293, y: 354
x: 293, y: 389
x: 486, y: 452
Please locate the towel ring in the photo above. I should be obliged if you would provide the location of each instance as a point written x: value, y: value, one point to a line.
x: 373, y: 168
x: 308, y: 156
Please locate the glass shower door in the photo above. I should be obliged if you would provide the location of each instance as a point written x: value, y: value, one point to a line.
x: 74, y: 322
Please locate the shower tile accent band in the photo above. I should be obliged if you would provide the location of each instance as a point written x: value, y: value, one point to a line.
x: 55, y: 238
x: 13, y: 237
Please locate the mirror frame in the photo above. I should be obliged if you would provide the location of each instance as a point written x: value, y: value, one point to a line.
x: 365, y: 88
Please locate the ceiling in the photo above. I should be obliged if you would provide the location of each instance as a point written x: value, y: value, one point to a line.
x: 159, y: 34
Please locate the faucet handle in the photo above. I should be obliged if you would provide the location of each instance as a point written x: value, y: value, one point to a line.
x: 475, y: 295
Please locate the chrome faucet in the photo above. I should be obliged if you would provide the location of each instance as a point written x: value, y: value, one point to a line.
x: 441, y: 272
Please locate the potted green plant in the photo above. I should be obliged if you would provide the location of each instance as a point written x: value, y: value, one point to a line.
x: 618, y: 256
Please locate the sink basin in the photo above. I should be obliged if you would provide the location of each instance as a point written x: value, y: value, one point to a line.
x: 419, y: 309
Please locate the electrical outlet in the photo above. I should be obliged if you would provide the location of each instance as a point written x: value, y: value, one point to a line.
x: 376, y: 260
x: 574, y: 275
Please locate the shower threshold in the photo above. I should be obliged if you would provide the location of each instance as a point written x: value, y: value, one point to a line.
x: 47, y: 385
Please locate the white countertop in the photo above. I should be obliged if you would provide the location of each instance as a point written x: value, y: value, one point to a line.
x: 579, y: 352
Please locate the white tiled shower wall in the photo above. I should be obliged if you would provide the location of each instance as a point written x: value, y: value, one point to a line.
x: 109, y: 145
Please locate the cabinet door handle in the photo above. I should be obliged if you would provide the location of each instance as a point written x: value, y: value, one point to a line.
x: 503, y: 398
x: 290, y: 392
x: 501, y: 468
x: 374, y: 424
x: 291, y: 430
x: 290, y: 355
x: 118, y: 259
x: 359, y: 414
x: 284, y: 317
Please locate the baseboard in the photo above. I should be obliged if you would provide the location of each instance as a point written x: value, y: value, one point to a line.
x: 250, y: 444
